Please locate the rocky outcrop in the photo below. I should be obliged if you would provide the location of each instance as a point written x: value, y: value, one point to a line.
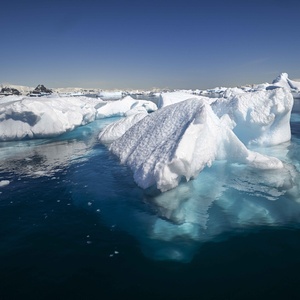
x: 41, y: 89
x: 9, y: 91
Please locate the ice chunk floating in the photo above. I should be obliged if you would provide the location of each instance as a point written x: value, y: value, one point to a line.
x: 28, y: 118
x: 260, y: 117
x: 179, y: 141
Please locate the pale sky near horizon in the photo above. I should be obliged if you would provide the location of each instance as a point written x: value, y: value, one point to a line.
x: 146, y: 44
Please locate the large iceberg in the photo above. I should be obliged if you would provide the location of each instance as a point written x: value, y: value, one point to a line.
x: 42, y: 117
x: 27, y: 118
x: 178, y: 141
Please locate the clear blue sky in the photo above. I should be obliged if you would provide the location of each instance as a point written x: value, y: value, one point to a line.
x: 145, y: 44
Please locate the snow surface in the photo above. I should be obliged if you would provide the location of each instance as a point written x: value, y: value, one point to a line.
x: 125, y: 106
x: 261, y: 117
x: 166, y: 99
x: 25, y: 117
x: 179, y: 141
x: 43, y: 117
x: 118, y: 128
x: 111, y: 94
x: 283, y: 81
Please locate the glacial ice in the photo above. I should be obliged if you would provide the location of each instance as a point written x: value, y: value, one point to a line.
x: 260, y: 117
x: 166, y: 99
x: 283, y: 81
x: 115, y: 130
x: 179, y: 141
x: 43, y: 117
x: 28, y: 118
x: 110, y: 95
x: 125, y: 106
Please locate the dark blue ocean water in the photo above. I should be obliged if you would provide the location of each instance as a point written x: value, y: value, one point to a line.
x: 74, y: 225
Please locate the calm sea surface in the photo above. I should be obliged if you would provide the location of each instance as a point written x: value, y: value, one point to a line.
x: 74, y: 225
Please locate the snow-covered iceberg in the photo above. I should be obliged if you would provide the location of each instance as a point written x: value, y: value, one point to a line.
x: 260, y: 117
x: 115, y: 130
x: 178, y: 141
x: 124, y: 107
x: 170, y: 98
x: 43, y: 117
x: 110, y: 94
x: 28, y: 118
x: 283, y: 81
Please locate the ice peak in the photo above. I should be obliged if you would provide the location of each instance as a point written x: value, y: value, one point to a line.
x: 281, y: 77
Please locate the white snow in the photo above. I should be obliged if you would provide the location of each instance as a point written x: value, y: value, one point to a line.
x: 43, y: 117
x: 178, y: 141
x: 283, y: 81
x: 117, y: 129
x: 111, y: 94
x: 261, y: 117
x: 170, y: 98
x: 25, y: 117
x: 125, y: 106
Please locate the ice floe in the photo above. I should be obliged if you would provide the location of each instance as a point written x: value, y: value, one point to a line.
x: 28, y: 118
x: 260, y: 117
x: 179, y: 141
x: 125, y: 106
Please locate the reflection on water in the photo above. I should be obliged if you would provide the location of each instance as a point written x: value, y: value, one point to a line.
x: 44, y: 157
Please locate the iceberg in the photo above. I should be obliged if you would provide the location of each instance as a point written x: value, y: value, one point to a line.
x: 29, y: 118
x: 43, y: 117
x: 259, y: 117
x: 178, y: 141
x: 283, y: 81
x: 170, y: 98
x: 111, y: 94
x: 125, y: 106
x: 115, y: 130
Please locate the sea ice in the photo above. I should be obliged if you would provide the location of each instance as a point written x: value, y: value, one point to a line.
x: 111, y: 94
x: 178, y: 141
x: 118, y: 128
x: 260, y: 117
x: 283, y: 81
x: 166, y: 99
x: 125, y: 106
x: 27, y: 118
x: 43, y: 117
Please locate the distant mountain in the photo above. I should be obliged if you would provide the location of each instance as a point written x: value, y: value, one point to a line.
x: 41, y: 89
x: 9, y: 91
x: 21, y: 88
